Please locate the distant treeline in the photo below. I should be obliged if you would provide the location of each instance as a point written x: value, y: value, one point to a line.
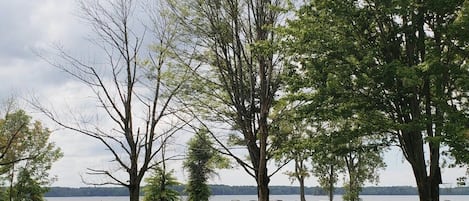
x: 249, y: 190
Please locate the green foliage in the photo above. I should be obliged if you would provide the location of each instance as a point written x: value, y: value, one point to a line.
x: 396, y: 71
x: 28, y: 156
x: 326, y: 162
x: 461, y: 181
x: 202, y: 160
x: 363, y: 162
x: 236, y: 72
x: 291, y: 139
x: 159, y: 186
x: 27, y: 188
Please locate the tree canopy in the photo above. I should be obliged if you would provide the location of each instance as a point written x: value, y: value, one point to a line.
x: 326, y: 84
x: 397, y: 67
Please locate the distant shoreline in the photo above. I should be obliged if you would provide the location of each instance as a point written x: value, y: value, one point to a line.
x: 249, y: 190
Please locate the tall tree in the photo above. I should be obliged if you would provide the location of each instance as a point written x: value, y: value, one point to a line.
x: 134, y: 88
x: 202, y: 159
x: 403, y: 62
x: 238, y: 80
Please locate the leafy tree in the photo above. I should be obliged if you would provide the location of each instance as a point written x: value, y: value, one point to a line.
x: 159, y: 185
x: 335, y: 146
x: 353, y: 152
x: 29, y: 157
x: 133, y: 87
x: 202, y: 159
x: 13, y: 126
x: 236, y: 72
x: 362, y: 164
x: 327, y: 173
x: 399, y: 65
x: 292, y: 141
x: 350, y: 148
x: 28, y: 188
x: 326, y: 165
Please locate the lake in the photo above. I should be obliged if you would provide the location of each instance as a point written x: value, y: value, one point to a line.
x: 277, y: 197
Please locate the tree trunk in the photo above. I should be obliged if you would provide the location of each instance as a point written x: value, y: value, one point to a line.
x: 134, y: 181
x: 427, y: 185
x: 263, y: 189
x: 428, y: 190
x: 301, y: 180
x: 299, y: 172
x: 262, y: 176
x: 265, y: 105
x: 423, y: 189
x: 12, y: 178
x: 331, y: 183
x: 134, y: 193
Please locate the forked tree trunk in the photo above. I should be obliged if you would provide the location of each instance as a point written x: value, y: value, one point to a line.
x: 299, y: 172
x: 427, y: 184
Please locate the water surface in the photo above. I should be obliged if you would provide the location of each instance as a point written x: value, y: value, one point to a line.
x: 277, y: 198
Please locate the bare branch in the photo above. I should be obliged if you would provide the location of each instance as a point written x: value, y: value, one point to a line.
x: 124, y: 86
x: 105, y: 173
x: 228, y: 152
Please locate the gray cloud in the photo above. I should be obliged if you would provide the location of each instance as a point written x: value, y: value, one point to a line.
x: 17, y: 31
x: 29, y: 27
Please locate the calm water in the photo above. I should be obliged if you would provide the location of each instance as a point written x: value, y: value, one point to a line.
x: 275, y: 198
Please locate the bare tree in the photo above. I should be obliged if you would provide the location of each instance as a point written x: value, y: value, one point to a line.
x: 134, y: 88
x: 240, y: 77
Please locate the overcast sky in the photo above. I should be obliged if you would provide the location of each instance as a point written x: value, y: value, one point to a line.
x: 29, y: 27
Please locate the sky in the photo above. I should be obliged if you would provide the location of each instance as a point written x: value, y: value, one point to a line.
x: 30, y: 28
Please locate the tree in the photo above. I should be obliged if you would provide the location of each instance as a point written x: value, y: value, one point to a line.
x: 12, y: 126
x: 352, y: 151
x: 237, y: 78
x: 134, y: 88
x: 362, y: 163
x: 401, y: 62
x: 327, y: 174
x: 326, y: 165
x: 292, y: 140
x: 202, y: 159
x: 29, y: 158
x: 459, y: 140
x: 338, y: 142
x: 27, y: 188
x: 159, y: 185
